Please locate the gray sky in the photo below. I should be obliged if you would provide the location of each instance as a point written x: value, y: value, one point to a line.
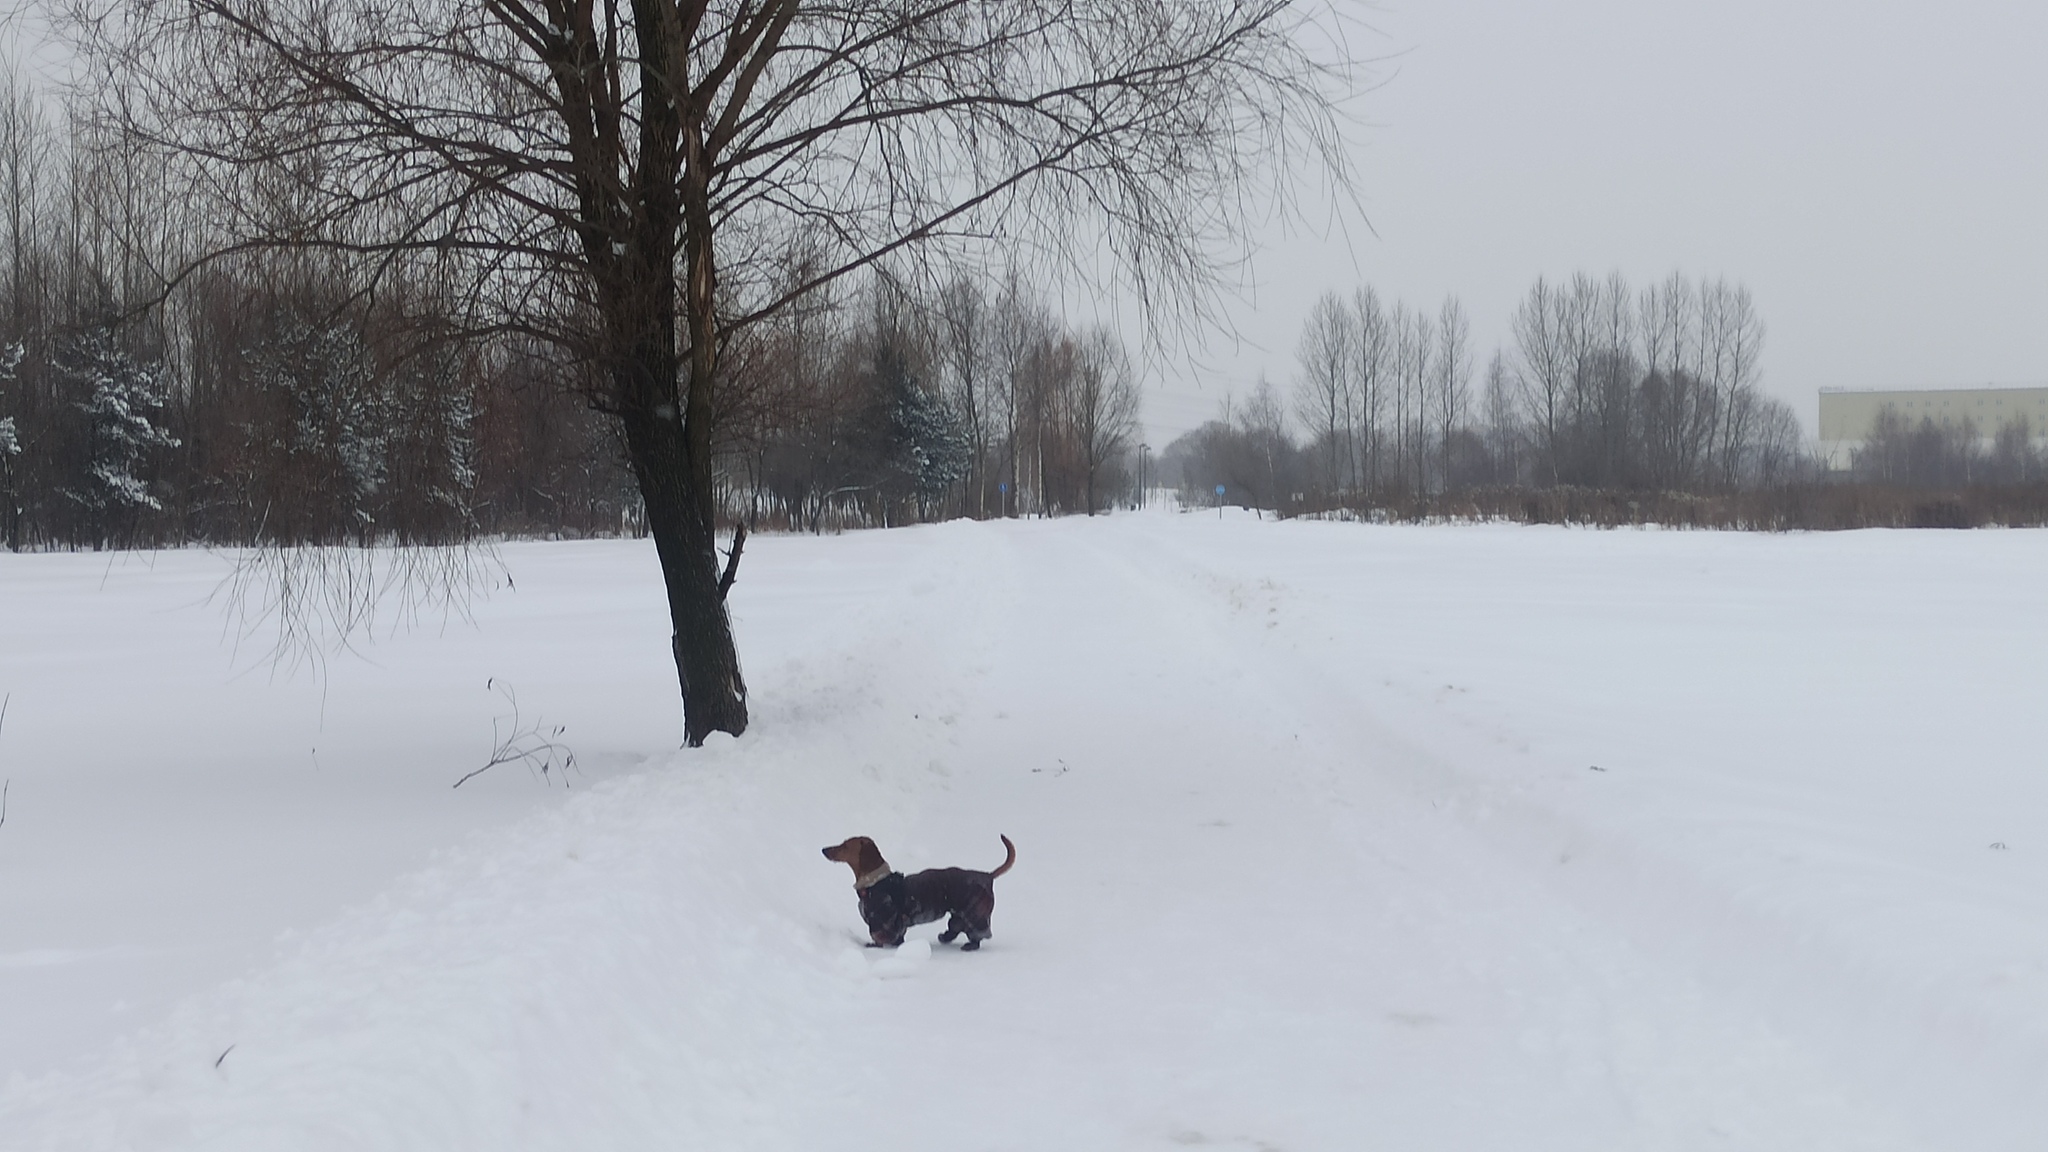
x: 1876, y: 172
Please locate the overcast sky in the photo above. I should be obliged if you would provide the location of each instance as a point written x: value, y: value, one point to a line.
x: 1876, y: 172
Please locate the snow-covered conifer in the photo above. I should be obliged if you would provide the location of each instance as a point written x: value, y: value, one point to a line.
x: 335, y: 437
x: 931, y: 446
x: 10, y: 449
x: 433, y: 450
x: 10, y: 441
x: 122, y: 399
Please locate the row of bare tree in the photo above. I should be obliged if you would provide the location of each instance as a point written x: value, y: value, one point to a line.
x: 274, y: 401
x: 1605, y: 387
x: 972, y: 399
x: 1928, y: 453
x: 1655, y: 389
x: 267, y: 402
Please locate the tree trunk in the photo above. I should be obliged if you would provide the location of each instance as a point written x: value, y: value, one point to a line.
x: 663, y: 400
x: 679, y: 517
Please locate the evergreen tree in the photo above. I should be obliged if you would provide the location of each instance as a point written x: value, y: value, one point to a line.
x: 930, y: 447
x: 431, y: 421
x: 10, y: 444
x: 123, y: 402
x: 10, y: 447
x: 334, y: 433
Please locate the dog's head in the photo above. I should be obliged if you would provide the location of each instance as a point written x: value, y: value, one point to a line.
x: 860, y: 854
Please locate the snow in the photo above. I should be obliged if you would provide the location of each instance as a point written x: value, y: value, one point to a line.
x: 1329, y: 836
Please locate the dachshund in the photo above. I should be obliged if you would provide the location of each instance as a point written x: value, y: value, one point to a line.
x: 891, y: 902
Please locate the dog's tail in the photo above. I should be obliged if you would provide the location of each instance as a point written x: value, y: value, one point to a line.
x: 1007, y: 860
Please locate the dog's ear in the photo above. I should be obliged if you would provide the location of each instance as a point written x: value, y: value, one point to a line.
x: 870, y: 856
x: 858, y: 853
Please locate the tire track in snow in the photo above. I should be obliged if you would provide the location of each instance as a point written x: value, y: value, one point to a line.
x: 1237, y: 918
x: 1813, y: 1048
x: 1220, y: 930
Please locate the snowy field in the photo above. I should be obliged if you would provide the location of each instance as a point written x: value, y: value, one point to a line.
x: 1329, y: 836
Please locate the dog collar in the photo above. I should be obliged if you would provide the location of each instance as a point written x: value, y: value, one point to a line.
x: 863, y: 883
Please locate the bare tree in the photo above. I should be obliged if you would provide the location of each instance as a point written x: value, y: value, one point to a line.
x: 1679, y: 409
x: 964, y: 318
x: 1323, y: 392
x: 1264, y: 422
x: 603, y: 176
x: 1607, y: 378
x: 1453, y: 388
x: 1021, y: 326
x: 1372, y: 353
x: 1414, y: 350
x: 1503, y: 423
x: 1736, y: 338
x: 1104, y: 406
x: 1546, y: 369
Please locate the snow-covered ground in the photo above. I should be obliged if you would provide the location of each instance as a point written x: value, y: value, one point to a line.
x: 1330, y: 837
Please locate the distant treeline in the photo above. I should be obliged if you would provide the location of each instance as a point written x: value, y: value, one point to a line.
x: 278, y: 400
x: 1613, y: 405
x: 899, y: 405
x: 1944, y: 454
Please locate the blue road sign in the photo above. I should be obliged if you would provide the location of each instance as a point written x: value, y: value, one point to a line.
x: 1219, y: 489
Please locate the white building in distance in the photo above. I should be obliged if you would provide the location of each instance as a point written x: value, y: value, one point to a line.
x: 1847, y: 415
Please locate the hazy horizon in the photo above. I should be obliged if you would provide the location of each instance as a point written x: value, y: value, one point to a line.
x: 1874, y: 173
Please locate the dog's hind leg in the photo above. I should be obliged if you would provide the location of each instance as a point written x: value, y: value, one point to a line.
x: 954, y: 927
x: 976, y: 930
x: 973, y: 920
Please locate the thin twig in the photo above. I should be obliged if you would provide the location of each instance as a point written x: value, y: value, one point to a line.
x: 541, y: 753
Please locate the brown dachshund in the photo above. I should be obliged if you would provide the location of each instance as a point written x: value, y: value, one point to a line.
x: 891, y: 902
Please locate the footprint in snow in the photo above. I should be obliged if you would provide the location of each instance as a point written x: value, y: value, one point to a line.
x: 903, y: 960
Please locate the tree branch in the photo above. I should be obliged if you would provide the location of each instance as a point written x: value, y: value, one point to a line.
x: 732, y: 560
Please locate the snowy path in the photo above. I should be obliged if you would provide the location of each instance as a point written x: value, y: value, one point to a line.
x: 1311, y: 856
